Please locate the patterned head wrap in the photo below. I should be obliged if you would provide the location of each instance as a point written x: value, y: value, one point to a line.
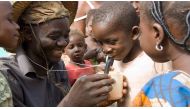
x: 36, y: 12
x: 39, y: 12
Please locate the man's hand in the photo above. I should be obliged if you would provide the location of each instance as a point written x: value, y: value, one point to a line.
x: 89, y: 91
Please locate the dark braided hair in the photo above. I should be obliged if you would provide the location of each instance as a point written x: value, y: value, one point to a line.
x: 179, y: 11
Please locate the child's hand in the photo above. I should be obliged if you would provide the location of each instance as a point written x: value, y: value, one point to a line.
x: 122, y: 101
x: 101, y: 56
x: 90, y: 54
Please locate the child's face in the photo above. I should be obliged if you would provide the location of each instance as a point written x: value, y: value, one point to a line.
x: 88, y: 28
x: 147, y: 39
x: 115, y: 42
x: 76, y: 48
x: 9, y: 34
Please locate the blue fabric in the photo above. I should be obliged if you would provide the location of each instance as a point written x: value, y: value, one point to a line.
x: 166, y: 87
x: 3, y: 52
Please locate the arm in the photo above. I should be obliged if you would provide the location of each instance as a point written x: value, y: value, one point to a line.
x: 81, y: 11
x: 90, y: 54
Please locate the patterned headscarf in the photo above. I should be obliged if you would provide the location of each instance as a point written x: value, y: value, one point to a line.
x: 40, y: 11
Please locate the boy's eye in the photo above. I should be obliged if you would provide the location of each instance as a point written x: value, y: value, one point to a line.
x: 99, y: 43
x: 80, y: 45
x: 112, y: 42
x: 70, y: 46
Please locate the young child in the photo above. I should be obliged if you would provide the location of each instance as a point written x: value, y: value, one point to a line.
x: 76, y: 48
x: 115, y: 26
x: 165, y: 36
x: 94, y: 52
x: 9, y: 36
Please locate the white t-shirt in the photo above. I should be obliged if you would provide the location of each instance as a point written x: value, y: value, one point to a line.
x: 138, y: 72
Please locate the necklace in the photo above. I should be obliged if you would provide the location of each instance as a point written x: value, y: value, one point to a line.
x: 37, y: 64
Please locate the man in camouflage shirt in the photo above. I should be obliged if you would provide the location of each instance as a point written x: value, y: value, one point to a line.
x: 5, y: 92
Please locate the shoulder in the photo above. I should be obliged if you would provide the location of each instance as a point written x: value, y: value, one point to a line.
x: 5, y: 92
x: 8, y: 59
x: 8, y: 65
x: 183, y: 79
x: 6, y: 62
x: 175, y: 84
x: 164, y: 78
x: 179, y: 76
x: 10, y: 69
x: 174, y: 81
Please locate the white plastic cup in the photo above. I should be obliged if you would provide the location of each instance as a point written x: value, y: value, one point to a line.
x: 116, y: 92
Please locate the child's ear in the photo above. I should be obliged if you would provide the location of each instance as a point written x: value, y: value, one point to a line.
x: 158, y: 33
x: 135, y: 32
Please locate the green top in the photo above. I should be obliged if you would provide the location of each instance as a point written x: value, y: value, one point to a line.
x: 5, y: 92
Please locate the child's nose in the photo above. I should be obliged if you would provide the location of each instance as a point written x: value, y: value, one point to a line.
x: 76, y: 49
x: 107, y: 49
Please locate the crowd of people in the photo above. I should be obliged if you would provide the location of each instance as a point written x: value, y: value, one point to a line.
x: 59, y: 51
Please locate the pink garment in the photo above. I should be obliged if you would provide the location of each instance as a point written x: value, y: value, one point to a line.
x: 75, y: 71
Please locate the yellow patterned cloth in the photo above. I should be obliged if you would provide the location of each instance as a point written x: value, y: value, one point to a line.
x: 5, y: 93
